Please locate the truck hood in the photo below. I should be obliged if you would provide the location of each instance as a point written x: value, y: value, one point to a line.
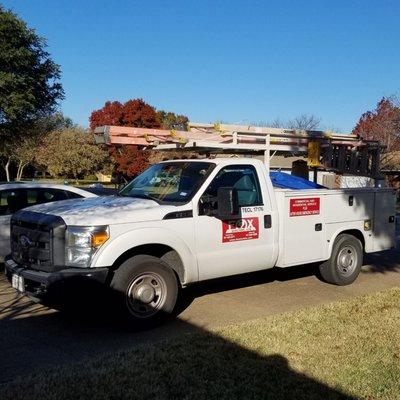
x: 105, y: 210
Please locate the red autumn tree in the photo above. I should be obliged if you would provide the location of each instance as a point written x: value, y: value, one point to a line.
x: 383, y: 124
x: 129, y: 160
x: 136, y: 113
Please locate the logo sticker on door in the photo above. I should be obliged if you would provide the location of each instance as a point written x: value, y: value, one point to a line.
x: 240, y: 229
x: 308, y: 206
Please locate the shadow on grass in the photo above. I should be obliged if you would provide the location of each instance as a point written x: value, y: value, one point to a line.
x: 83, y: 359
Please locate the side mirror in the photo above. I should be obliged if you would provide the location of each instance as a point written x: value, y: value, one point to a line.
x: 228, y: 203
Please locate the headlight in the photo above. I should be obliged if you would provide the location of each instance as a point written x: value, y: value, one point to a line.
x: 82, y: 242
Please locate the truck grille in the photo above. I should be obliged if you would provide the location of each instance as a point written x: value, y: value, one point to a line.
x: 37, y: 240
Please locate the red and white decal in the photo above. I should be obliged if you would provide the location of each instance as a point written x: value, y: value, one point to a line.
x: 240, y: 229
x: 308, y: 206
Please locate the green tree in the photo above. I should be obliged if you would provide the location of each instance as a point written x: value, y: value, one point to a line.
x: 24, y: 154
x: 29, y: 83
x: 71, y: 152
x: 170, y: 120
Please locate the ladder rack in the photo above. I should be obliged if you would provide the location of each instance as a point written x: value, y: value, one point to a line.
x: 343, y: 153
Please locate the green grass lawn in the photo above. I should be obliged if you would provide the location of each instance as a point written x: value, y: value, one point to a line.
x: 345, y: 350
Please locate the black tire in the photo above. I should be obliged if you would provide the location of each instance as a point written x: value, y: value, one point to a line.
x: 345, y: 263
x: 145, y: 289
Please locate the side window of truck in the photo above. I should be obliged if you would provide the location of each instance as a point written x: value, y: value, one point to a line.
x: 241, y: 177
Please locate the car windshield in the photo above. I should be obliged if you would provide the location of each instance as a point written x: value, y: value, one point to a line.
x: 170, y: 182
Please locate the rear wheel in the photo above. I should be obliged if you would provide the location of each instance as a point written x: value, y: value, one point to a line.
x: 146, y: 290
x: 345, y: 263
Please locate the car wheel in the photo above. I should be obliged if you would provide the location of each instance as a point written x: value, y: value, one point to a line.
x: 345, y: 263
x: 146, y: 290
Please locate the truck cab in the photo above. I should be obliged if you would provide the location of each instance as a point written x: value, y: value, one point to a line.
x: 184, y: 221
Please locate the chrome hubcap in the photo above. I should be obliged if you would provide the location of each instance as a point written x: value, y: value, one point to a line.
x: 347, y: 260
x: 146, y: 295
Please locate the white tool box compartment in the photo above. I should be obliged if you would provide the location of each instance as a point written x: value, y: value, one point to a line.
x: 349, y: 205
x: 384, y: 222
x: 310, y: 220
x: 302, y: 232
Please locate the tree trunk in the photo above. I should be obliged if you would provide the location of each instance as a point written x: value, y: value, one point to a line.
x: 22, y: 170
x: 21, y: 167
x: 6, y: 168
x: 18, y: 171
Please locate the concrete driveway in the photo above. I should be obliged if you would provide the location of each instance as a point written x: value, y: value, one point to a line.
x: 33, y: 336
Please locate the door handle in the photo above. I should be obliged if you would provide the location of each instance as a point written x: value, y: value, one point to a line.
x: 267, y: 221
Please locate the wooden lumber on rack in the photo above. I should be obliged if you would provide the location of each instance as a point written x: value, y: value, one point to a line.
x: 222, y: 133
x: 123, y: 135
x: 343, y: 153
x: 278, y: 134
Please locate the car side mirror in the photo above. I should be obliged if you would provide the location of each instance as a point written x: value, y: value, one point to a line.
x: 228, y: 203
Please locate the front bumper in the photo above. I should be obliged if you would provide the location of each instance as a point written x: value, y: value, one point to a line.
x: 37, y: 283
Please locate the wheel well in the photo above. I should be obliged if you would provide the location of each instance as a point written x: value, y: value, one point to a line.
x: 162, y: 251
x: 356, y: 233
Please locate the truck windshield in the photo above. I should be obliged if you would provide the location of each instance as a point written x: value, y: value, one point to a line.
x: 170, y: 182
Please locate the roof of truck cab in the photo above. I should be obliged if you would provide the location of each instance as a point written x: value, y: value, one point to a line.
x: 220, y: 161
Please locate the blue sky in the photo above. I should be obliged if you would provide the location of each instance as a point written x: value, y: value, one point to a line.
x: 235, y: 61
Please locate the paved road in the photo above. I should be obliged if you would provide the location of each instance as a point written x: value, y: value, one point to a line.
x: 33, y: 336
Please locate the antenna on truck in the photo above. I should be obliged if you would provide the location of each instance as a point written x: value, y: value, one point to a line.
x: 341, y: 153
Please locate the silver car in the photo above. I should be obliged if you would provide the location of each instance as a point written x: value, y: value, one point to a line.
x: 15, y: 196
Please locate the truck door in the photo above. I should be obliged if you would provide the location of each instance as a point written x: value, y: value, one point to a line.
x: 240, y: 245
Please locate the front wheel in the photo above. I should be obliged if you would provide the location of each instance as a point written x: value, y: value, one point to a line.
x: 345, y: 263
x: 146, y: 290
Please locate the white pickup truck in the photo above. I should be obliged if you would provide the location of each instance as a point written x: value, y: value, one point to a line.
x: 185, y: 221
